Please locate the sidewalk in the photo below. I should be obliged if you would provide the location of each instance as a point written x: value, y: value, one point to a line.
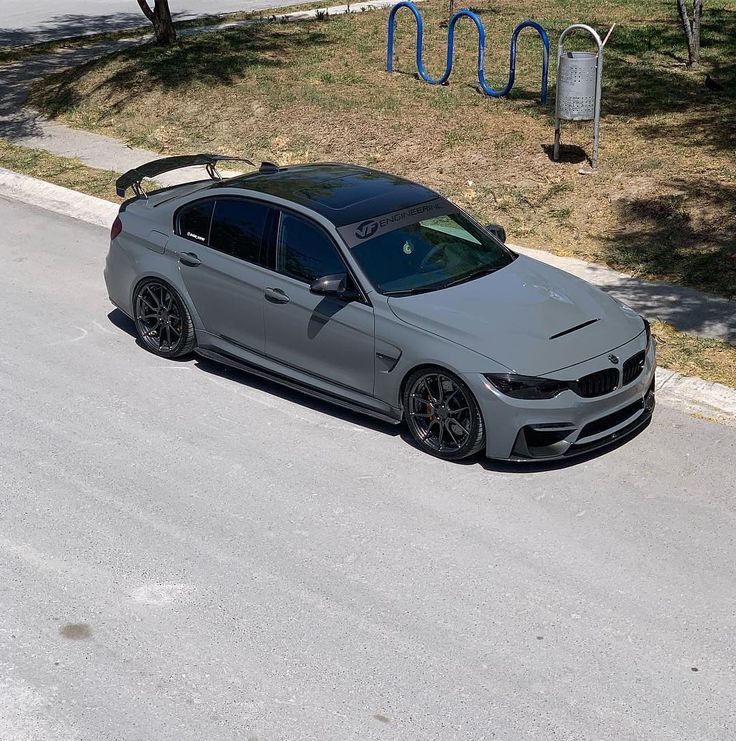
x: 686, y: 309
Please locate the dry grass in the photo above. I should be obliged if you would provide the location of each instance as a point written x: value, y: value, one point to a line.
x: 695, y: 356
x: 70, y: 173
x: 661, y: 205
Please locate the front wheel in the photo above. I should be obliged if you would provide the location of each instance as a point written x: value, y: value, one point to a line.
x: 442, y: 414
x: 162, y: 321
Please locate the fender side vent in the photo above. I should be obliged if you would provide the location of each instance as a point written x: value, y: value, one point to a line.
x: 388, y: 362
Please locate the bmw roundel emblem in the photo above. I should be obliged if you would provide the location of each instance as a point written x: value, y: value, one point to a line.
x: 613, y: 358
x: 366, y: 229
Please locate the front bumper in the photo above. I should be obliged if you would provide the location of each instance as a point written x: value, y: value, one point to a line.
x: 568, y: 424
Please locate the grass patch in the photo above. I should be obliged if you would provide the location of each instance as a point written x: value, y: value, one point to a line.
x: 70, y: 173
x: 662, y: 204
x: 695, y: 356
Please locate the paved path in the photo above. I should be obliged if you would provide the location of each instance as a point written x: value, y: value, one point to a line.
x: 687, y: 309
x: 30, y: 21
x: 189, y: 553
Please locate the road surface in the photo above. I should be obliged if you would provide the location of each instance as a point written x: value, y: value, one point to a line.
x: 189, y: 553
x: 30, y: 21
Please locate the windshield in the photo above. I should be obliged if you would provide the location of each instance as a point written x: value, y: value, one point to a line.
x: 428, y: 255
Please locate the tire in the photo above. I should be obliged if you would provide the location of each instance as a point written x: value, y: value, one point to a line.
x: 442, y: 414
x: 162, y: 320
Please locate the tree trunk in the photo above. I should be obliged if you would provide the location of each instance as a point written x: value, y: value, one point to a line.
x: 697, y: 13
x: 160, y: 17
x: 691, y: 29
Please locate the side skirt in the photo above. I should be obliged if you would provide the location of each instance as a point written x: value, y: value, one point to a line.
x: 233, y: 362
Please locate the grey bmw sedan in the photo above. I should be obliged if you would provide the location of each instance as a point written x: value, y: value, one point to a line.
x: 378, y: 294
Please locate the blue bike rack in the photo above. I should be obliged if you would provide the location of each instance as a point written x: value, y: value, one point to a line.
x: 487, y: 89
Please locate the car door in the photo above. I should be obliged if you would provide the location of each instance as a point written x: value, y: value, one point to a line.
x: 221, y: 256
x: 325, y: 336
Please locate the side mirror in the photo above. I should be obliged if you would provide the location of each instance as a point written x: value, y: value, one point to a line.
x: 334, y: 285
x: 498, y: 232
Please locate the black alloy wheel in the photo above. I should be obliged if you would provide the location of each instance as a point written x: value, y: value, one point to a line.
x: 442, y: 414
x: 162, y: 321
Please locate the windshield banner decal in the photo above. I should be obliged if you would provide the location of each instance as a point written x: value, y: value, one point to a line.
x: 360, y: 231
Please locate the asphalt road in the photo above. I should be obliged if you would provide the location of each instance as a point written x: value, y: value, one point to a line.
x: 189, y: 553
x: 31, y: 21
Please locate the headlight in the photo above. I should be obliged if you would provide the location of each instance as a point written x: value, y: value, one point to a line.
x: 526, y: 387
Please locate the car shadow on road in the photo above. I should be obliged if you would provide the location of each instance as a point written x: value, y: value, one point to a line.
x: 257, y: 383
x: 303, y: 399
x: 121, y: 321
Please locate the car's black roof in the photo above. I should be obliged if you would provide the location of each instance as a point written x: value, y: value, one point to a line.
x: 344, y: 194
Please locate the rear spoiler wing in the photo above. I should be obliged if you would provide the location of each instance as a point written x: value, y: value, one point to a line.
x: 133, y: 178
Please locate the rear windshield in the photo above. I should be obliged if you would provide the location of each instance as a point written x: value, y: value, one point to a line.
x: 429, y: 255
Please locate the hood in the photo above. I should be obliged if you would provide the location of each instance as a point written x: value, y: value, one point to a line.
x: 521, y: 315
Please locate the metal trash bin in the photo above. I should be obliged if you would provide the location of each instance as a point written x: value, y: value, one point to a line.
x: 579, y: 77
x: 576, y: 79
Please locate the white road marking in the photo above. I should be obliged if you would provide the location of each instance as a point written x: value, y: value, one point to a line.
x: 84, y: 333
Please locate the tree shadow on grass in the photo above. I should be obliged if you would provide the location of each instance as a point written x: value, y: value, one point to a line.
x: 684, y: 232
x: 219, y: 58
x: 18, y: 122
x: 688, y: 236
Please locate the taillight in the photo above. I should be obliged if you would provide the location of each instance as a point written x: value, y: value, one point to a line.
x: 117, y: 227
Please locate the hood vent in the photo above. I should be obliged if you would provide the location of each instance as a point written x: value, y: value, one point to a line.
x: 574, y: 329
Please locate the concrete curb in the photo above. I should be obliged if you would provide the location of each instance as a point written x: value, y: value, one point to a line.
x: 702, y: 398
x: 57, y: 198
x: 706, y: 399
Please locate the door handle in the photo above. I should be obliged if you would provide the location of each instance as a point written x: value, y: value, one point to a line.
x: 276, y: 296
x: 189, y: 258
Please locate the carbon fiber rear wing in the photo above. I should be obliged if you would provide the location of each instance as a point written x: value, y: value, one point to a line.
x: 133, y: 178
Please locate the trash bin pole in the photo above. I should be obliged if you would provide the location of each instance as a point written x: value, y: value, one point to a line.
x: 598, y: 90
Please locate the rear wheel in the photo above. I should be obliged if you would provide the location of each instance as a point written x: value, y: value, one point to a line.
x: 162, y: 321
x: 442, y: 414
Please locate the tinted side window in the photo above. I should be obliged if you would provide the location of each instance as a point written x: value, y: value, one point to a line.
x: 305, y: 252
x: 194, y: 221
x: 237, y: 228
